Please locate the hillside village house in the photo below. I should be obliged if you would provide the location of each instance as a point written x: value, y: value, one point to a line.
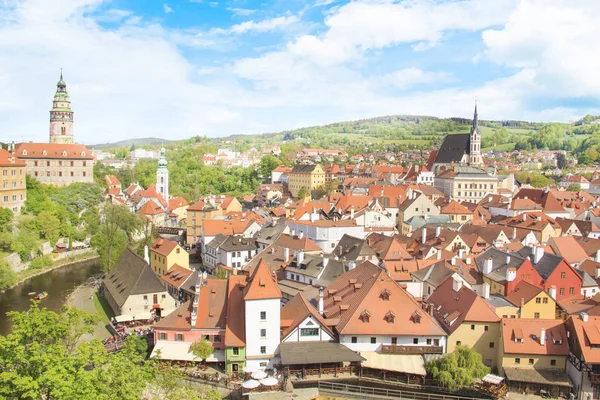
x: 309, y: 177
x: 583, y: 365
x: 133, y: 290
x: 196, y: 214
x: 164, y: 254
x: 13, y: 191
x: 325, y: 233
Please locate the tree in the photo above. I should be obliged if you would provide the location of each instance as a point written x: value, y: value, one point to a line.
x: 116, y: 227
x: 47, y: 225
x: 574, y: 187
x: 302, y: 193
x: 7, y: 275
x: 267, y: 164
x: 561, y: 161
x: 6, y: 218
x: 457, y: 369
x: 220, y: 273
x: 202, y: 349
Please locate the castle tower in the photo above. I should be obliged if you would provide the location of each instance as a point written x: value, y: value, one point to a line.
x: 162, y: 176
x: 61, y: 115
x: 475, y: 140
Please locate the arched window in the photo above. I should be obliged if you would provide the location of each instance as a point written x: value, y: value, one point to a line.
x: 63, y: 130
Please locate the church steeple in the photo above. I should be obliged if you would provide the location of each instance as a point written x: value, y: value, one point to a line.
x: 61, y: 115
x: 162, y: 176
x: 475, y: 139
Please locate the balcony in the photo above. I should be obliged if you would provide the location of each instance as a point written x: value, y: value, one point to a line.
x: 406, y: 350
x: 594, y: 378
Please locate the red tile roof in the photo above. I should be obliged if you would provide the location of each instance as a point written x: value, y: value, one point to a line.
x: 164, y: 247
x: 111, y: 180
x: 9, y: 160
x: 528, y: 329
x: 235, y: 334
x: 53, y: 151
x: 150, y: 208
x: 262, y: 284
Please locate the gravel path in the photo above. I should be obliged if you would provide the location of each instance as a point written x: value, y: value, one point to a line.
x: 82, y: 299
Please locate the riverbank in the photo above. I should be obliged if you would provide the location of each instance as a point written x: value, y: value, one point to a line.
x: 29, y: 273
x: 82, y: 297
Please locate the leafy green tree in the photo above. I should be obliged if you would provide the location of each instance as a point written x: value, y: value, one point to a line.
x: 574, y: 187
x: 459, y: 368
x: 6, y: 219
x: 7, y: 275
x: 116, y: 227
x: 267, y: 164
x: 302, y: 193
x: 220, y: 273
x: 202, y: 349
x: 47, y: 226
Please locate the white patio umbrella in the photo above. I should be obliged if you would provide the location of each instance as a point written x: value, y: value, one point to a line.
x: 259, y: 375
x: 251, y: 384
x: 250, y: 369
x: 269, y: 381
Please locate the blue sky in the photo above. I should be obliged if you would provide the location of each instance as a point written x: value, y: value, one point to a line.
x: 176, y: 69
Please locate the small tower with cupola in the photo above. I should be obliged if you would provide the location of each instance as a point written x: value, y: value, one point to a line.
x: 61, y: 115
x: 475, y: 150
x: 162, y: 176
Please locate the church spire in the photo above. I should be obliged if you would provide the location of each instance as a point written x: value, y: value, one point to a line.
x: 61, y: 115
x: 475, y: 141
x: 475, y: 118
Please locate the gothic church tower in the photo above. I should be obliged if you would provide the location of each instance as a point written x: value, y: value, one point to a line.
x: 162, y: 176
x: 475, y: 140
x: 61, y: 115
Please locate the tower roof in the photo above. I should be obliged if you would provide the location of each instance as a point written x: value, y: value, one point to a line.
x: 475, y: 121
x: 61, y: 83
x: 262, y: 284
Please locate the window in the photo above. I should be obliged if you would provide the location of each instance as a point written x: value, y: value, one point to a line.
x: 486, y: 328
x: 538, y: 300
x: 236, y: 351
x: 164, y: 296
x: 545, y: 300
x: 531, y: 361
x: 472, y: 327
x: 309, y: 332
x: 436, y: 342
x: 415, y: 340
x: 562, y: 291
x: 263, y: 333
x: 263, y: 315
x: 517, y: 361
x: 429, y: 341
x: 353, y: 339
x: 179, y: 337
x: 491, y: 345
x: 394, y: 341
x: 553, y: 362
x: 458, y: 342
x: 162, y: 336
x: 145, y: 297
x: 373, y: 340
x: 263, y: 349
x: 563, y: 275
x: 536, y: 315
x: 571, y: 290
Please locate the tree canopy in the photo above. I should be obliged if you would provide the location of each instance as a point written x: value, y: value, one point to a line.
x: 459, y: 368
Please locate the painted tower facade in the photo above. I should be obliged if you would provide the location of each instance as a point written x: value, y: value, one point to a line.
x: 475, y: 140
x: 61, y: 115
x: 162, y: 176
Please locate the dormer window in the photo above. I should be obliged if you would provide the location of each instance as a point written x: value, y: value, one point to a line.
x: 24, y: 152
x: 416, y: 317
x: 45, y: 152
x: 385, y: 295
x: 365, y: 316
x: 390, y: 316
x: 64, y: 153
x: 83, y: 154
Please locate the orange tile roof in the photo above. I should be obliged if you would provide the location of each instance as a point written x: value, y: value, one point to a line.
x: 197, y: 206
x: 226, y: 202
x: 295, y: 243
x: 325, y: 223
x: 153, y: 194
x: 176, y: 275
x: 568, y: 248
x: 375, y: 287
x: 524, y: 290
x: 164, y: 247
x: 235, y: 334
x: 150, y: 208
x: 9, y: 160
x: 262, y: 284
x: 53, y: 151
x: 111, y: 180
x: 296, y: 311
x: 213, y: 227
x: 113, y: 191
x: 587, y: 334
x: 530, y: 328
x: 176, y: 202
x: 453, y: 308
x: 453, y: 207
x: 212, y: 312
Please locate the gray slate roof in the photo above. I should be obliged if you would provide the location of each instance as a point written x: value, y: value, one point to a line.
x: 547, y: 263
x: 237, y: 243
x: 298, y: 353
x: 269, y: 234
x: 453, y: 148
x: 499, y: 265
x: 131, y: 275
x: 352, y: 248
x: 312, y: 265
x: 588, y: 281
x: 303, y: 169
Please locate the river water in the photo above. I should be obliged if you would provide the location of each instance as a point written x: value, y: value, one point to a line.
x: 59, y: 283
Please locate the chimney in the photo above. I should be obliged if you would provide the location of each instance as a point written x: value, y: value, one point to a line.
x: 584, y: 316
x: 351, y: 265
x: 507, y: 259
x: 321, y: 300
x: 486, y: 290
x: 524, y: 217
x: 439, y: 254
x: 543, y: 336
x: 461, y: 254
x: 468, y: 260
x: 300, y: 257
x: 293, y: 232
x: 352, y: 212
x: 438, y: 230
x: 538, y: 253
x: 552, y: 292
x: 146, y: 255
x: 301, y: 235
x: 312, y: 216
x: 325, y: 262
x: 453, y: 260
x: 511, y: 274
x: 424, y: 235
x: 514, y: 234
x: 487, y: 266
x: 456, y: 284
x: 597, y: 256
x: 597, y: 275
x: 286, y: 254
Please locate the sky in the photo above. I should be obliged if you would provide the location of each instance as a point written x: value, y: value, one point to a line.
x: 177, y: 69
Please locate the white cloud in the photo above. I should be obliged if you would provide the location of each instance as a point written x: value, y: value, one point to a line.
x: 244, y: 12
x: 265, y: 25
x: 168, y: 10
x: 408, y: 77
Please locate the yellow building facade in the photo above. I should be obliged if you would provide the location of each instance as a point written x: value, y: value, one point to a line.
x: 165, y: 253
x: 13, y: 190
x: 309, y: 177
x: 481, y: 336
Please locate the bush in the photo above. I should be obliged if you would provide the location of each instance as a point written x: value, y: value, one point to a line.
x: 40, y: 262
x: 7, y: 276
